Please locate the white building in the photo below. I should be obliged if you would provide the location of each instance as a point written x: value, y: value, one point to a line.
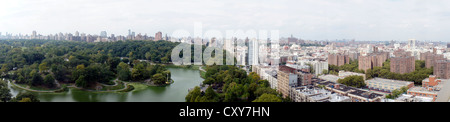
x: 315, y: 94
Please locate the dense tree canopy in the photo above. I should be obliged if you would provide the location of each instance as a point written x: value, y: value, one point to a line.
x: 38, y: 62
x: 351, y: 67
x: 268, y: 98
x: 354, y: 81
x: 231, y: 84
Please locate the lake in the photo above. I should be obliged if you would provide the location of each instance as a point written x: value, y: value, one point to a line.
x: 176, y: 92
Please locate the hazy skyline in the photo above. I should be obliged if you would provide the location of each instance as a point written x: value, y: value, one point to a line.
x: 307, y: 19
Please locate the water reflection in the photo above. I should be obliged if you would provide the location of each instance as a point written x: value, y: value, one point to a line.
x: 176, y: 92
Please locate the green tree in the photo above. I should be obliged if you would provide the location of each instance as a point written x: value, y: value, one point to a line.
x: 354, y: 81
x: 43, y: 67
x: 81, y: 81
x: 123, y: 72
x: 148, y: 56
x: 25, y: 100
x: 32, y: 96
x: 193, y: 94
x: 36, y: 78
x: 49, y: 80
x: 159, y: 79
x: 211, y: 95
x: 268, y: 98
x: 5, y: 94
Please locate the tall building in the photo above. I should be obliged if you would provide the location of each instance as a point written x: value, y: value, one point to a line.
x: 34, y: 35
x: 403, y: 64
x: 319, y: 67
x: 103, y: 34
x: 412, y: 43
x: 286, y: 76
x: 372, y: 60
x: 401, y: 53
x: 158, y: 36
x: 253, y: 52
x: 430, y: 58
x: 338, y: 59
x: 442, y: 69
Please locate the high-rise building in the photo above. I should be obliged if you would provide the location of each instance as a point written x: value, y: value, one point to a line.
x: 401, y: 53
x: 158, y: 36
x: 442, y: 69
x: 253, y: 52
x: 404, y: 64
x: 338, y: 59
x: 412, y: 43
x: 430, y: 58
x: 372, y: 60
x: 34, y: 35
x: 103, y: 34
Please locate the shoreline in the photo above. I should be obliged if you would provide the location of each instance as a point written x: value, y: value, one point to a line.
x: 126, y: 84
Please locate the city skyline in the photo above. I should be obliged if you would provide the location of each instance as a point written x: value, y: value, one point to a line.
x: 308, y: 19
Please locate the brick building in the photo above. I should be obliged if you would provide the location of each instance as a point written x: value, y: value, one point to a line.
x: 158, y: 36
x: 403, y: 65
x: 338, y: 59
x: 442, y: 69
x: 430, y: 59
x: 401, y: 53
x: 289, y: 77
x: 372, y: 60
x: 286, y: 75
x: 430, y: 87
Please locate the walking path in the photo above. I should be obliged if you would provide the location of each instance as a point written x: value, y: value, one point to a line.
x: 13, y: 83
x: 201, y: 69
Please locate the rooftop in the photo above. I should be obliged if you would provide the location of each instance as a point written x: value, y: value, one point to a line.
x: 321, y: 95
x: 332, y: 78
x: 422, y: 90
x: 411, y: 98
x: 390, y: 81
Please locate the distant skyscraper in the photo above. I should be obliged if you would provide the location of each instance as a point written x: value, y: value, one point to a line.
x: 77, y: 33
x: 103, y: 34
x: 34, y: 34
x: 412, y: 43
x: 158, y: 36
x: 253, y: 52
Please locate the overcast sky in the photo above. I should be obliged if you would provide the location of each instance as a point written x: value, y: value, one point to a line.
x: 307, y: 19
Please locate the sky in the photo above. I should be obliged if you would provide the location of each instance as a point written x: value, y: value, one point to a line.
x: 306, y: 19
